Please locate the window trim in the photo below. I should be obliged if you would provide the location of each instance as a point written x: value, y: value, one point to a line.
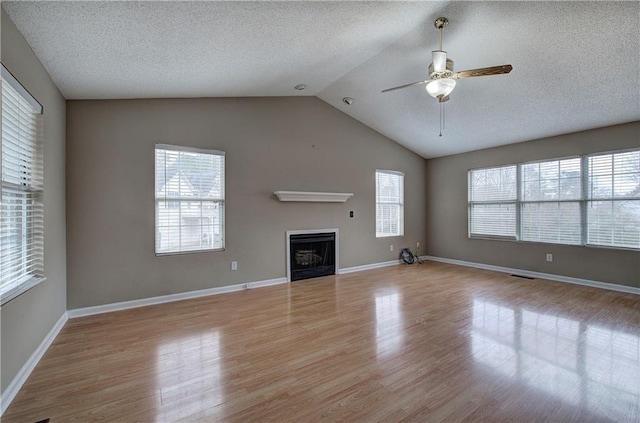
x: 188, y: 149
x: 15, y: 289
x: 583, y: 201
x: 401, y: 204
x: 18, y: 287
x: 155, y: 199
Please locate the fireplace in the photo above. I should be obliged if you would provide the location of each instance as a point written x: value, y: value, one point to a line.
x: 311, y: 254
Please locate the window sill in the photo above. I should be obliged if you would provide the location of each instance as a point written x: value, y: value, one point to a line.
x: 494, y: 238
x: 14, y: 290
x: 520, y: 241
x: 177, y: 253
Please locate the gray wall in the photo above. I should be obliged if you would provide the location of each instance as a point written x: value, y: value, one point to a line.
x: 287, y: 143
x: 27, y: 319
x: 447, y: 213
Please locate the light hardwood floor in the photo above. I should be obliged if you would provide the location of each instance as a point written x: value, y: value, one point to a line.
x: 424, y: 343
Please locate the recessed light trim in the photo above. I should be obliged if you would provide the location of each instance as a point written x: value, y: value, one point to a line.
x: 348, y: 101
x: 300, y: 87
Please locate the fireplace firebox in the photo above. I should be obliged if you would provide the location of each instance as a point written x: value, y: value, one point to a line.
x: 312, y: 255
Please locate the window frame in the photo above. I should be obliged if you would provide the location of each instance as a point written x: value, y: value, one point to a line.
x: 521, y: 202
x: 513, y: 202
x: 587, y: 199
x: 583, y: 201
x: 33, y: 238
x: 400, y: 203
x: 222, y: 200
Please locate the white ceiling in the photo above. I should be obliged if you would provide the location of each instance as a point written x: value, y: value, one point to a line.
x: 575, y: 65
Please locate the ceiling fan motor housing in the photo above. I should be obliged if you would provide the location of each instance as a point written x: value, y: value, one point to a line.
x: 447, y: 73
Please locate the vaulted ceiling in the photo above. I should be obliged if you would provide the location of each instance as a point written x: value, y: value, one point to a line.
x: 575, y: 65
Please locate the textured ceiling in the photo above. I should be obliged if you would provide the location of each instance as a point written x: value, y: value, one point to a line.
x: 576, y: 65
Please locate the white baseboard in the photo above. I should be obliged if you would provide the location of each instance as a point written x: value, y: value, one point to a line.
x: 14, y: 387
x: 368, y: 267
x: 549, y: 276
x: 268, y: 282
x: 125, y: 305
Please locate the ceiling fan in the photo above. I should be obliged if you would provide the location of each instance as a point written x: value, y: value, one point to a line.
x: 442, y: 78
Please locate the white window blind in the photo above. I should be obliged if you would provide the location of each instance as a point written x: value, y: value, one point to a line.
x: 492, y: 202
x: 21, y: 208
x: 550, y: 201
x: 590, y: 200
x: 613, y: 200
x: 389, y: 203
x: 189, y: 199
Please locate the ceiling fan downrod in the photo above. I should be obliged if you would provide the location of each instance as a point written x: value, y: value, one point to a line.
x: 440, y: 23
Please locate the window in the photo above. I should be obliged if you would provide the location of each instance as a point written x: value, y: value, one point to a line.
x: 550, y: 201
x: 21, y: 209
x: 592, y: 200
x: 189, y: 200
x: 613, y: 200
x: 389, y: 203
x: 492, y: 202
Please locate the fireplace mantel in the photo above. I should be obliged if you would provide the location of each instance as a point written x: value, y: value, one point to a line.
x: 322, y: 197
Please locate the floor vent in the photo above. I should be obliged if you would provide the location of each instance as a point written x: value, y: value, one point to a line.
x: 523, y: 277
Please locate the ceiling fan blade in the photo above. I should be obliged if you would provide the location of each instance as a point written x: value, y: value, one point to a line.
x: 406, y: 85
x: 494, y: 70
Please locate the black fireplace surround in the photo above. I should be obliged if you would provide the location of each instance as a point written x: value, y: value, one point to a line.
x: 312, y: 255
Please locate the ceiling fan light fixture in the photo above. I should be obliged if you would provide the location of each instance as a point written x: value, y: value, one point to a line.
x: 441, y: 87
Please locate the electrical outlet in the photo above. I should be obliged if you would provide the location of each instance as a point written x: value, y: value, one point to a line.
x: 417, y: 244
x: 549, y: 257
x: 391, y: 247
x: 234, y: 265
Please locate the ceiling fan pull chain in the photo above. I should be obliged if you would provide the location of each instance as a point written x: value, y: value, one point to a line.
x: 441, y: 117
